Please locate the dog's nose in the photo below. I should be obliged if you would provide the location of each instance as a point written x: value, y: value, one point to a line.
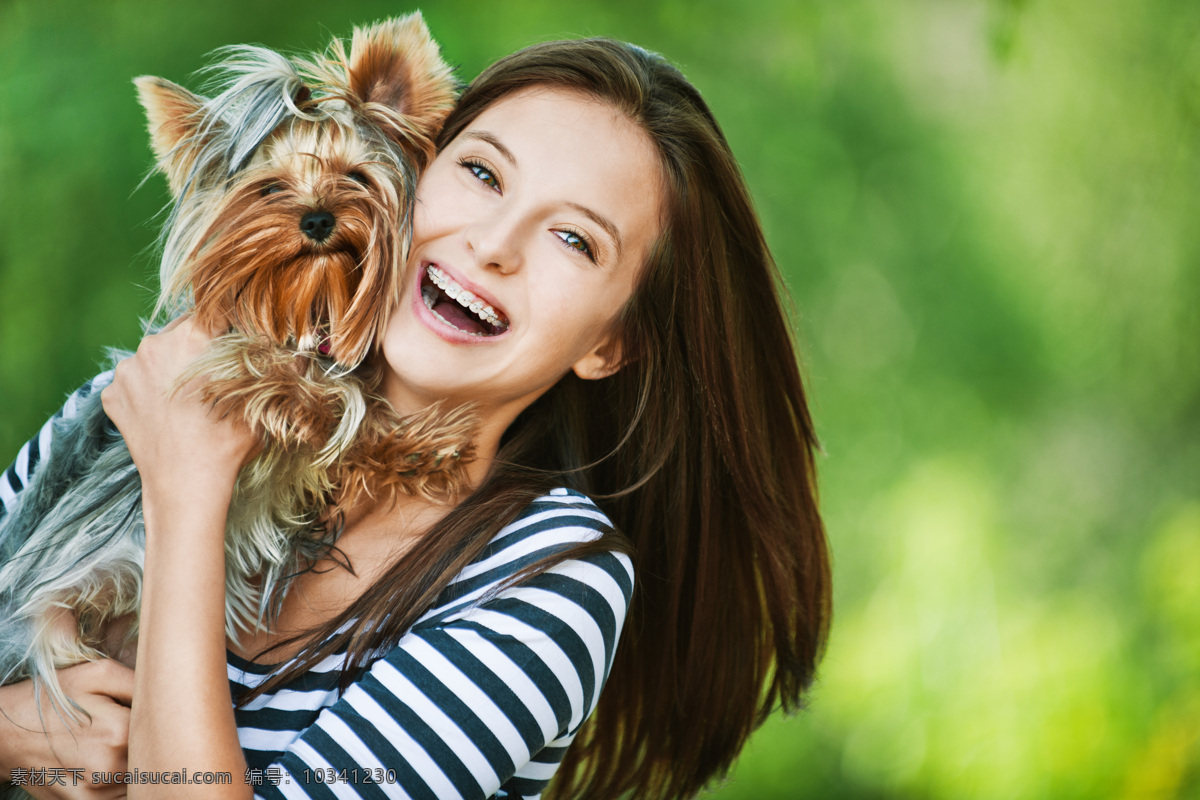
x: 317, y: 225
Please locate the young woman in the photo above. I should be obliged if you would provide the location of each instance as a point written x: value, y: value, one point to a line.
x: 584, y: 191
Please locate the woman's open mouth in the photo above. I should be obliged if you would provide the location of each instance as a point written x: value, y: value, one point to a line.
x: 458, y: 307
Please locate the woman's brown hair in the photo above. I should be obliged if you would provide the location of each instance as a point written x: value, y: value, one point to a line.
x: 700, y: 449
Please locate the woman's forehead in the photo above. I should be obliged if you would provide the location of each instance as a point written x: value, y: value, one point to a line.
x: 539, y: 118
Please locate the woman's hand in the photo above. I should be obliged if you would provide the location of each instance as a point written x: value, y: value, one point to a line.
x: 97, y: 743
x: 181, y: 450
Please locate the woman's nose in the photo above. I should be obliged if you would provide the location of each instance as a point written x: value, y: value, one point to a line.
x: 496, y: 241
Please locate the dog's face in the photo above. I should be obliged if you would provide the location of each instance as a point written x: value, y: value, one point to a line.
x: 305, y: 244
x: 294, y: 186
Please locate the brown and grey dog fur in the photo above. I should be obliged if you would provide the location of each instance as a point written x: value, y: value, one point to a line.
x: 293, y: 189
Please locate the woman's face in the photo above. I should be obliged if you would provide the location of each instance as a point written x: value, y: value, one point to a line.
x: 544, y: 208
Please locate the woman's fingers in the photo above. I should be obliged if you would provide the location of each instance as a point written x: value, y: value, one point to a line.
x: 106, y: 678
x: 181, y: 449
x: 173, y: 323
x: 38, y: 740
x: 150, y: 373
x: 213, y: 329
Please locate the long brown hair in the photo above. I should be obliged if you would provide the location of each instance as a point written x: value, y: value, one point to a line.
x: 700, y: 449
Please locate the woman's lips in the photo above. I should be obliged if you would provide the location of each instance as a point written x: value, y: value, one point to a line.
x: 457, y: 322
x: 477, y: 304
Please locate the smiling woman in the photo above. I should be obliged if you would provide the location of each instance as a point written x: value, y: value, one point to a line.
x: 545, y: 211
x: 586, y: 272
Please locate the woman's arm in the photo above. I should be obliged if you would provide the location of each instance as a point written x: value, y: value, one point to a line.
x: 182, y: 714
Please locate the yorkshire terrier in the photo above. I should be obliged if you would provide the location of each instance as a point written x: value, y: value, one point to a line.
x: 293, y: 189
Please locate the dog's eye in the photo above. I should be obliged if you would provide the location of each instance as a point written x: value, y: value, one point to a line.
x: 358, y: 178
x: 271, y: 188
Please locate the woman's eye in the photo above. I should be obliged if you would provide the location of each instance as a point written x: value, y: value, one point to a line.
x: 575, y: 241
x: 483, y: 174
x: 358, y: 178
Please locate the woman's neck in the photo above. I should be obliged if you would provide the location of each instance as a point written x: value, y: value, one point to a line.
x: 374, y: 535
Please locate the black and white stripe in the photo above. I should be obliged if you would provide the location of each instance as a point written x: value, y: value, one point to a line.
x: 480, y: 699
x: 483, y: 695
x: 33, y: 452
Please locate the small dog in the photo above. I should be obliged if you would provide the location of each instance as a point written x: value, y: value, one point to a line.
x: 293, y: 189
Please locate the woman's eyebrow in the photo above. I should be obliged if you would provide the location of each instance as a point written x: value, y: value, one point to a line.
x: 491, y: 139
x: 603, y: 221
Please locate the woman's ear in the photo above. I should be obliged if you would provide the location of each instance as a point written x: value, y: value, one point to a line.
x: 603, y: 361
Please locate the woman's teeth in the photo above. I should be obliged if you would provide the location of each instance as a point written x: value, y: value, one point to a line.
x: 462, y: 296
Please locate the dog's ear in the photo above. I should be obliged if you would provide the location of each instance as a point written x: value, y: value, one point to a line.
x: 175, y: 119
x: 397, y: 64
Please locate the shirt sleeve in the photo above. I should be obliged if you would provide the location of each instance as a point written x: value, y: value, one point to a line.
x: 480, y: 705
x: 36, y: 450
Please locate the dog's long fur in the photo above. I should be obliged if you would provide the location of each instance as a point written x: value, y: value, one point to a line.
x: 284, y: 142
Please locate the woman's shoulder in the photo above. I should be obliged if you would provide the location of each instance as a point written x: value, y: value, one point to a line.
x: 563, y: 527
x: 556, y: 521
x: 566, y: 511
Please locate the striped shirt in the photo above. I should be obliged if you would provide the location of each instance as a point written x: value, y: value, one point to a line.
x: 479, y: 699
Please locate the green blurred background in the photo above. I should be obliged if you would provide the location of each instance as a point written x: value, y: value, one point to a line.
x: 982, y: 213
